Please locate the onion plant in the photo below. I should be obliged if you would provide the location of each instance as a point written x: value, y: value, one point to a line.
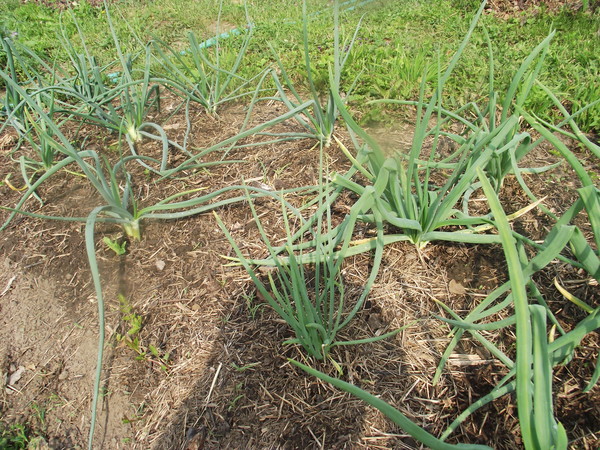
x: 122, y: 107
x: 104, y: 176
x: 392, y: 413
x: 415, y: 205
x: 491, y: 141
x: 137, y: 96
x: 513, y: 99
x: 543, y: 431
x: 589, y: 194
x: 206, y: 75
x: 418, y: 207
x: 39, y: 138
x: 410, y: 200
x: 308, y: 291
x: 320, y: 123
x: 11, y: 104
x: 88, y: 79
x: 536, y: 355
x: 26, y: 69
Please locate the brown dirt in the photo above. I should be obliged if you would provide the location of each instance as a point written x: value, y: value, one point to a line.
x: 514, y: 6
x: 227, y: 382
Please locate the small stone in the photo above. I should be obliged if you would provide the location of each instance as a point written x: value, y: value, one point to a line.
x: 456, y: 288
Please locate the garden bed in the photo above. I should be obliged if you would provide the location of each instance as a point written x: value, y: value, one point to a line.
x: 195, y: 354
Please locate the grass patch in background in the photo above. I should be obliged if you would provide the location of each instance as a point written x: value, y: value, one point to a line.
x: 396, y: 44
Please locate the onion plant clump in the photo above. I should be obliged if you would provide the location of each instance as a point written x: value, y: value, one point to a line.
x: 27, y: 69
x: 123, y: 103
x: 500, y: 111
x: 530, y: 374
x: 415, y: 201
x: 118, y: 100
x: 207, y: 72
x: 11, y: 101
x: 520, y: 143
x: 305, y: 285
x: 587, y: 257
x: 88, y: 81
x: 320, y: 122
x: 40, y: 138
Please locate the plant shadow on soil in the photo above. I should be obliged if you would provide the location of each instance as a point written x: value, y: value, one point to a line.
x: 220, y: 377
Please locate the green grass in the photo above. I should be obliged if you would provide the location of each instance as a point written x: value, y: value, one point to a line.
x: 14, y: 437
x: 396, y: 43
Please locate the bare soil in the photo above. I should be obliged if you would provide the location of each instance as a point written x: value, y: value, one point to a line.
x: 221, y: 376
x: 510, y: 7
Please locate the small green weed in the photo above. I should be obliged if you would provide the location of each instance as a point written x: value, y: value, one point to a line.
x: 252, y: 306
x: 40, y: 412
x: 138, y: 415
x: 134, y: 323
x: 115, y: 246
x: 233, y: 403
x: 244, y: 367
x: 14, y: 437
